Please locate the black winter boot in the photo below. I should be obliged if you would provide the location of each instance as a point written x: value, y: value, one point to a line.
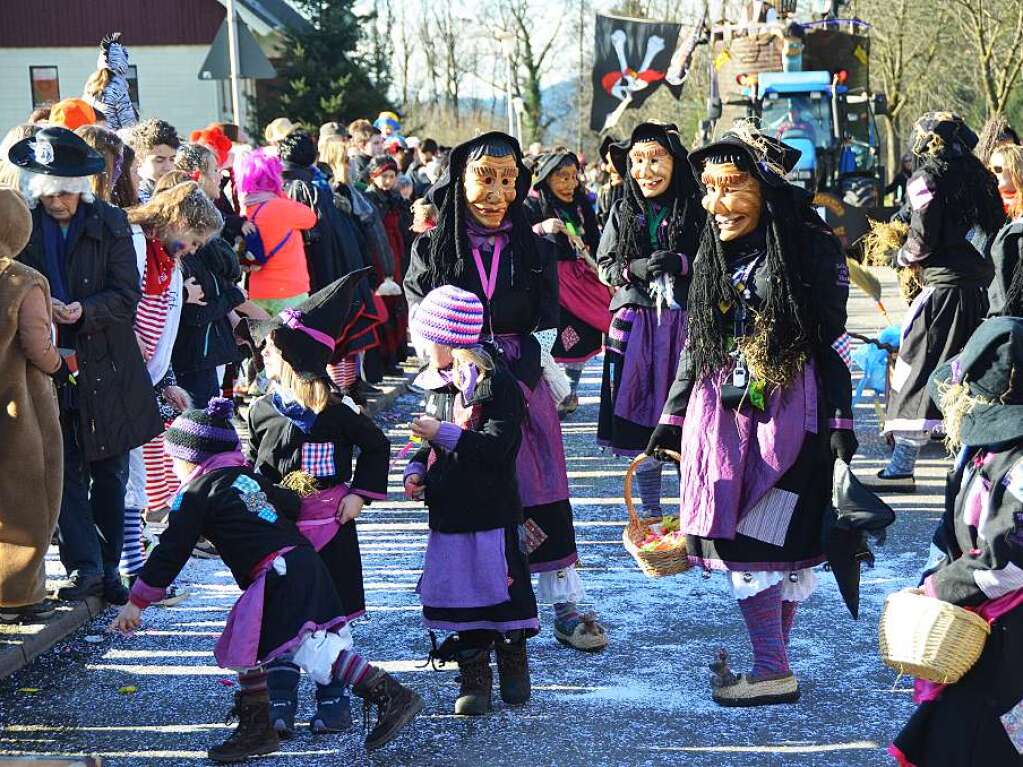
x: 282, y: 686
x: 513, y: 669
x: 477, y: 682
x: 254, y: 736
x: 396, y: 705
x: 333, y: 709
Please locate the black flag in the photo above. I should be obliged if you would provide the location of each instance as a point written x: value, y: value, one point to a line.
x: 631, y: 58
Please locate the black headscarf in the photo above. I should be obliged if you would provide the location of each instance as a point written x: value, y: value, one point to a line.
x: 580, y: 204
x: 943, y: 147
x: 449, y: 244
x: 683, y: 195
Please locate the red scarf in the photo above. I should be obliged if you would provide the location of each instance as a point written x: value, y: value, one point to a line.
x: 159, y: 266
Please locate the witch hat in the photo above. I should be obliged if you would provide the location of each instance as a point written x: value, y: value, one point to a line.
x: 307, y: 333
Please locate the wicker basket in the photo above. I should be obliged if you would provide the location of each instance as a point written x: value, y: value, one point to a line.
x: 930, y: 639
x: 653, y: 563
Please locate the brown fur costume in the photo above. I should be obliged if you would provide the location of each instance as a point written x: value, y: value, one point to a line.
x: 31, y: 449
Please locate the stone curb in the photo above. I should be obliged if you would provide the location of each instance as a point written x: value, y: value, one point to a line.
x: 57, y: 628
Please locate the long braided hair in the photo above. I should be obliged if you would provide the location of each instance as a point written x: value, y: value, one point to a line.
x: 784, y: 328
x: 686, y: 218
x: 449, y: 244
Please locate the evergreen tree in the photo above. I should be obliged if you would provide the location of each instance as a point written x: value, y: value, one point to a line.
x: 321, y: 74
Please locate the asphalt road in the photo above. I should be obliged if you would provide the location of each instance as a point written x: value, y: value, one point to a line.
x: 645, y: 701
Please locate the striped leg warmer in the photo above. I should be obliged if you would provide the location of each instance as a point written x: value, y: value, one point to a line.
x: 648, y: 477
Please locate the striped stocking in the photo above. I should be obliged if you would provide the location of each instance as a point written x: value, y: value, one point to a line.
x: 161, y: 482
x: 133, y: 552
x: 788, y: 617
x: 648, y: 477
x: 350, y: 668
x: 762, y: 613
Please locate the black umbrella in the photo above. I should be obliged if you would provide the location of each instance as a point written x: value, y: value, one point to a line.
x: 855, y: 513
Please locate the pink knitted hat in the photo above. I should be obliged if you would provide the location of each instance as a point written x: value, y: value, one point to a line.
x: 449, y: 316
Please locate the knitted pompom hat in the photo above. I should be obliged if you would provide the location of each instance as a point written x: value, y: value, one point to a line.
x: 449, y: 316
x: 197, y: 435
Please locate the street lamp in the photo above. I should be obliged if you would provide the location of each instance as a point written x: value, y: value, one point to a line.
x: 507, y: 40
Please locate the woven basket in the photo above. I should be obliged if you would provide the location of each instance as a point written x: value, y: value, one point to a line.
x: 930, y: 639
x: 653, y: 563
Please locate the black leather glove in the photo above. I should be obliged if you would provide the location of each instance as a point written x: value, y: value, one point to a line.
x: 665, y: 437
x: 62, y: 374
x: 639, y: 269
x: 844, y: 444
x: 664, y: 262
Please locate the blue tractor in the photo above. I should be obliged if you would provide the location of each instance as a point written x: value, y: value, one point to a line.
x: 807, y: 84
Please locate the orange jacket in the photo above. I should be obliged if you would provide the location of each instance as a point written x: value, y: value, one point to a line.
x: 285, y: 273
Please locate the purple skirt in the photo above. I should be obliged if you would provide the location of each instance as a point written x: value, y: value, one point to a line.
x: 639, y: 368
x: 477, y: 581
x: 542, y: 474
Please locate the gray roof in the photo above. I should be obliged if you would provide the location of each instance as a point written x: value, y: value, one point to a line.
x: 278, y: 14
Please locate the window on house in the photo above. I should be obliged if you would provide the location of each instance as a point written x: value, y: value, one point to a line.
x: 45, y: 86
x: 133, y: 85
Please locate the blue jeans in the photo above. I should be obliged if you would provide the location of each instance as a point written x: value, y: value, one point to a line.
x: 201, y: 385
x: 91, y: 523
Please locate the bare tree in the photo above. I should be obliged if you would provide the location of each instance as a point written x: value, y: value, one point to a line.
x: 993, y: 31
x: 909, y: 38
x: 453, y: 57
x: 531, y: 60
x: 405, y: 42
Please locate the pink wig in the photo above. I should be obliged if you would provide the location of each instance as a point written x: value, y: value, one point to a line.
x: 258, y: 171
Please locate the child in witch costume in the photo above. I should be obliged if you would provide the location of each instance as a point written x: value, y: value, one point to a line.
x: 562, y: 214
x: 475, y: 573
x: 483, y: 243
x: 645, y: 254
x: 952, y: 204
x: 304, y: 435
x: 977, y: 558
x: 288, y: 605
x: 762, y: 402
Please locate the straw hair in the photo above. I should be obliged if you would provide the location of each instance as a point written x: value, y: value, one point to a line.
x: 882, y: 241
x: 755, y: 349
x: 748, y: 133
x: 910, y: 283
x: 300, y: 482
x: 956, y: 402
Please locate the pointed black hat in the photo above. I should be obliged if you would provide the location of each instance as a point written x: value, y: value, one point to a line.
x: 307, y: 333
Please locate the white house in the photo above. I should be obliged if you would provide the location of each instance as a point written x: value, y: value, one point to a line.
x: 49, y: 49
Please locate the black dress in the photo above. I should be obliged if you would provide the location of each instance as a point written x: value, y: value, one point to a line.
x: 322, y: 445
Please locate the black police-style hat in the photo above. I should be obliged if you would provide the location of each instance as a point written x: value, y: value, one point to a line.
x: 56, y: 152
